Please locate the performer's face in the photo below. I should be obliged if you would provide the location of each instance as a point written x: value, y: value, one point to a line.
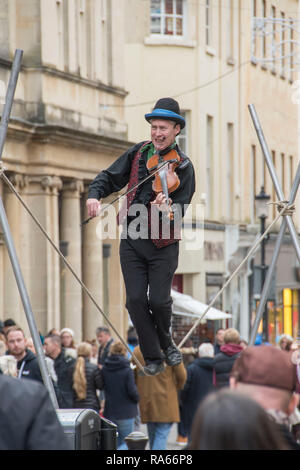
x: 163, y: 133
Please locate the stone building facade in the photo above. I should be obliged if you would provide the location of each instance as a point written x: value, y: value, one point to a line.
x: 202, y: 54
x: 61, y: 134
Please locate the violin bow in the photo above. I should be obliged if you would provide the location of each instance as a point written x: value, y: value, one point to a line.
x: 158, y: 169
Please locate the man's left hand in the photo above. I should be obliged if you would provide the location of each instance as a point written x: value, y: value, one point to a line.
x: 161, y: 202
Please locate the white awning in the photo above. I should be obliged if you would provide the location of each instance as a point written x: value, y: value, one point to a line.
x: 188, y: 306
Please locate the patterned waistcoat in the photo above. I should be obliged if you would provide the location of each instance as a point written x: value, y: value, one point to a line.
x: 133, y: 180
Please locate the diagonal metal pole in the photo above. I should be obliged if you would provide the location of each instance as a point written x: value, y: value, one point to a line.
x: 283, y: 227
x: 268, y: 280
x: 273, y: 175
x: 16, y: 66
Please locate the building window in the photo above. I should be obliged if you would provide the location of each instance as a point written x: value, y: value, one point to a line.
x: 273, y: 40
x: 167, y: 17
x: 273, y: 187
x: 230, y: 172
x: 182, y: 139
x: 208, y: 19
x: 209, y: 166
x: 230, y: 31
x: 282, y: 46
x: 282, y: 173
x: 264, y: 39
x: 290, y: 173
x: 253, y: 182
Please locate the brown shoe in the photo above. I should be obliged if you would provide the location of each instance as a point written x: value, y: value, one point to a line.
x: 181, y: 441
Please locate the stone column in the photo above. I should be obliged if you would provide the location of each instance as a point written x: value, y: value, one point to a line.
x: 70, y: 233
x: 41, y: 268
x: 92, y: 276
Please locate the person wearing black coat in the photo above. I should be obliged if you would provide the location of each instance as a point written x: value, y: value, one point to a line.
x: 224, y: 361
x: 64, y: 368
x: 27, y: 418
x: 121, y: 395
x: 199, y: 383
x: 27, y: 363
x: 87, y: 379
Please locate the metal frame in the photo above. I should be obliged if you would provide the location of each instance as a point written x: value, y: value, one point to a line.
x: 287, y: 221
x: 16, y: 66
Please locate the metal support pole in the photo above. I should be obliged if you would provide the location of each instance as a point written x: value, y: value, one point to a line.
x: 267, y: 283
x: 9, y: 240
x: 273, y: 175
x: 16, y: 66
x: 286, y: 221
x: 263, y: 275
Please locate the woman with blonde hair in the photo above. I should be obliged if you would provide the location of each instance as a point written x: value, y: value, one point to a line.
x: 87, y: 379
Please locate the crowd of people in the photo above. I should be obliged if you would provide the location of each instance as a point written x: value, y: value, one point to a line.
x: 225, y: 395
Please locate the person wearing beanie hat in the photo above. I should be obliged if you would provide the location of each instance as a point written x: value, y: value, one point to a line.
x: 150, y: 239
x: 267, y: 375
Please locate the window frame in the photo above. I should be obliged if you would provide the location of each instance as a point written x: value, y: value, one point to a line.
x: 162, y: 17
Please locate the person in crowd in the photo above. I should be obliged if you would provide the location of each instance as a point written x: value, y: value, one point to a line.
x: 67, y: 341
x: 7, y: 324
x: 132, y: 338
x: 199, y: 383
x: 87, y: 379
x: 28, y: 420
x: 189, y: 354
x: 243, y: 343
x: 105, y: 341
x: 3, y: 345
x: 30, y: 345
x: 219, y: 340
x: 267, y: 375
x: 121, y: 395
x: 228, y: 420
x: 159, y: 406
x: 285, y: 342
x: 54, y: 331
x: 224, y: 361
x: 94, y: 356
x: 8, y: 365
x: 27, y: 363
x: 64, y: 367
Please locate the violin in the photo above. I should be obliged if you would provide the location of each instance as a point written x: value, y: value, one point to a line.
x: 166, y: 180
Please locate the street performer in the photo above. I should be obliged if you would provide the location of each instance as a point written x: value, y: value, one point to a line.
x: 149, y: 257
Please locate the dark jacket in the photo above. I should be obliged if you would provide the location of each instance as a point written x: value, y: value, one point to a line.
x: 103, y: 352
x: 64, y: 368
x: 93, y: 382
x: 121, y: 395
x: 28, y: 367
x: 199, y: 383
x: 223, y: 363
x: 27, y: 418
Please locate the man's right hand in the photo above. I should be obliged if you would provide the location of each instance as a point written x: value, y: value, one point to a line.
x: 93, y: 207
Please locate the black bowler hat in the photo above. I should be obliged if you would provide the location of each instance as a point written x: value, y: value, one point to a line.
x: 166, y: 108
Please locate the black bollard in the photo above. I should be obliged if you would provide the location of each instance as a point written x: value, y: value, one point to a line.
x: 136, y: 440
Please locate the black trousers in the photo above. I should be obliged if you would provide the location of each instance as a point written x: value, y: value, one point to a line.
x: 148, y: 273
